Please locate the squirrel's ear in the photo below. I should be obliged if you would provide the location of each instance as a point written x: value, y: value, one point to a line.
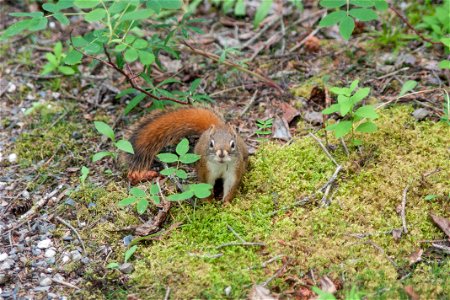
x: 212, y: 129
x: 232, y: 129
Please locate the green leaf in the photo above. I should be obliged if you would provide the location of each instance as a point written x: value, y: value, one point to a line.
x: 239, y: 8
x: 182, y: 147
x: 130, y: 39
x: 86, y: 3
x: 366, y: 111
x: 112, y: 265
x: 359, y: 95
x: 381, y: 5
x: 155, y: 199
x: 93, y: 48
x: 125, y: 146
x: 342, y: 128
x: 95, y: 15
x: 154, y: 189
x: 130, y: 252
x: 430, y: 197
x: 445, y: 41
x: 346, y: 27
x: 17, y: 28
x: 127, y: 201
x: 137, y: 192
x: 64, y: 4
x: 58, y: 50
x: 131, y: 55
x: 356, y: 142
x: 118, y: 6
x: 141, y: 206
x: 181, y: 174
x: 104, y: 129
x: 194, y: 85
x: 181, y: 196
x: 50, y: 7
x: 125, y: 92
x: 100, y: 155
x: 146, y: 57
x: 201, y: 190
x: 140, y: 44
x: 168, y: 171
x: 332, y: 3
x: 84, y: 174
x: 52, y: 59
x: 444, y: 64
x: 28, y: 14
x: 66, y: 70
x: 340, y: 91
x: 48, y: 68
x: 332, y: 18
x: 322, y: 295
x: 345, y: 107
x: 73, y: 57
x: 61, y: 18
x: 332, y: 109
x: 167, y: 157
x: 363, y: 14
x: 38, y: 23
x: 79, y: 41
x: 407, y: 86
x: 189, y: 158
x: 367, y: 127
x: 262, y: 12
x: 362, y: 3
x: 120, y: 47
x: 138, y: 14
x: 132, y: 104
x: 170, y: 4
x: 354, y: 85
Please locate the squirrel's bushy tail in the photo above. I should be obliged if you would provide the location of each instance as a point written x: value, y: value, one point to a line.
x: 164, y: 128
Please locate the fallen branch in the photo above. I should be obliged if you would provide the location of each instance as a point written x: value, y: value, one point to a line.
x: 241, y: 244
x: 216, y: 58
x: 402, y: 212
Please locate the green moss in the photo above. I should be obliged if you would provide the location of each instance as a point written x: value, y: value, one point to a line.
x: 314, y: 237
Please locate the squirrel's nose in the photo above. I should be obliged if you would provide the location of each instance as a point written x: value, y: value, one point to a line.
x: 221, y: 153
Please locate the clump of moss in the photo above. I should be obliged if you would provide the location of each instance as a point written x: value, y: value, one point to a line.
x: 314, y: 237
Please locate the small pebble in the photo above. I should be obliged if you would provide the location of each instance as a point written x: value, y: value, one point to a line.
x: 49, y: 253
x: 11, y: 87
x: 51, y: 260
x: 420, y: 114
x: 44, y: 244
x: 65, y: 259
x: 12, y: 158
x: 41, y: 289
x: 36, y: 251
x: 313, y: 117
x: 58, y: 277
x: 76, y: 256
x: 45, y: 281
x: 3, y: 256
x: 5, y: 266
x: 126, y: 268
x: 227, y: 291
x: 26, y: 194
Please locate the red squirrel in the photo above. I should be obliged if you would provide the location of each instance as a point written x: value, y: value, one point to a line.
x: 223, y: 152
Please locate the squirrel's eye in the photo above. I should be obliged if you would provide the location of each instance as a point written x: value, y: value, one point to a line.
x: 211, y: 144
x: 232, y: 145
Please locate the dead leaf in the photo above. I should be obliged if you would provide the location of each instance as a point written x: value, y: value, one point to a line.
x: 411, y: 293
x: 327, y: 285
x: 443, y: 223
x: 289, y: 112
x: 312, y: 44
x: 415, y: 257
x: 259, y: 292
x: 397, y: 234
x: 281, y: 129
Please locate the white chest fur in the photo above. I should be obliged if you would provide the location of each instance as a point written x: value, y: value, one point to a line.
x: 221, y: 170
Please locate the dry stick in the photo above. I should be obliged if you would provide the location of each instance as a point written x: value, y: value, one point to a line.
x: 230, y: 64
x: 402, y: 213
x: 378, y: 247
x: 407, y: 95
x: 166, y: 296
x: 241, y: 244
x: 412, y: 27
x: 65, y: 283
x: 235, y: 233
x: 74, y: 230
x: 324, y: 149
x: 249, y: 104
x: 129, y: 77
x: 277, y: 273
x: 256, y: 36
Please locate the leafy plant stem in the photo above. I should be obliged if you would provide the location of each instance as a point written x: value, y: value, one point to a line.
x: 108, y: 17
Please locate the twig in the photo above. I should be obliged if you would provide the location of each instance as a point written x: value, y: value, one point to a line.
x: 241, y: 244
x: 166, y: 296
x: 249, y: 104
x: 382, y: 251
x: 277, y: 273
x: 300, y: 202
x: 402, y: 213
x: 230, y: 64
x: 344, y: 145
x: 332, y: 178
x: 259, y: 33
x: 235, y: 233
x: 74, y: 230
x: 65, y: 283
x: 324, y: 148
x: 407, y: 95
x: 412, y: 27
x: 129, y: 77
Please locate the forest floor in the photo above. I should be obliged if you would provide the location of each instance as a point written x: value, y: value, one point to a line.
x: 359, y: 226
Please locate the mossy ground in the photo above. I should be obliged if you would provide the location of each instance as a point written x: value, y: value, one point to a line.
x: 311, y: 237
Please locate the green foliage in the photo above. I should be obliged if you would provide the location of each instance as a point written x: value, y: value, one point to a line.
x: 130, y: 252
x: 407, y: 87
x: 140, y: 197
x: 122, y: 145
x: 359, y: 120
x: 262, y: 12
x: 84, y: 174
x: 264, y: 126
x: 446, y: 111
x: 322, y: 295
x: 362, y: 10
x: 56, y: 61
